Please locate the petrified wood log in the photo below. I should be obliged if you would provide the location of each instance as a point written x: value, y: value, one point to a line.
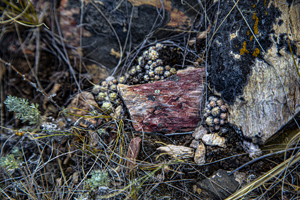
x: 257, y: 76
x: 168, y: 105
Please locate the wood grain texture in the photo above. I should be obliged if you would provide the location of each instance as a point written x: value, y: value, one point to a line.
x: 272, y: 96
x: 168, y: 105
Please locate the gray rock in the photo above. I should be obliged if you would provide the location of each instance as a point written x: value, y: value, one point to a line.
x: 194, y: 144
x: 253, y: 149
x: 218, y: 186
x: 199, y: 132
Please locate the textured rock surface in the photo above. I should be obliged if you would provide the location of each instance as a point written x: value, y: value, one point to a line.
x: 199, y: 132
x: 262, y: 97
x: 180, y: 152
x: 233, y: 46
x: 194, y: 144
x: 133, y: 18
x: 264, y: 108
x: 219, y: 186
x: 199, y: 157
x: 168, y: 105
x: 214, y: 140
x: 271, y: 97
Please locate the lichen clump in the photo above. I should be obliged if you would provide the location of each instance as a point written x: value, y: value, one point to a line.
x: 256, y: 52
x: 243, y: 49
x: 255, y: 28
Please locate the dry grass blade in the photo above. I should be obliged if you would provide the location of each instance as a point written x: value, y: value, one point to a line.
x: 295, y: 63
x: 281, y: 168
x: 22, y: 16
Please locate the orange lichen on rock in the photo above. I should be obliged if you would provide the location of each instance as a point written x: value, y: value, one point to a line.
x: 244, y: 50
x: 256, y: 52
x: 254, y: 16
x: 255, y: 24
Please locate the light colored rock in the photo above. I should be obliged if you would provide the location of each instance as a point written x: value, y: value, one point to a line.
x: 194, y: 144
x: 199, y: 157
x: 166, y: 169
x: 265, y: 109
x: 75, y: 177
x: 117, y: 112
x: 290, y: 16
x: 240, y: 177
x: 253, y: 149
x: 160, y: 177
x: 199, y: 132
x: 180, y: 152
x: 214, y: 140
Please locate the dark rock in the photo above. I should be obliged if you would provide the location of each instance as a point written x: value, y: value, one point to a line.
x: 110, y: 22
x: 218, y: 186
x: 69, y: 10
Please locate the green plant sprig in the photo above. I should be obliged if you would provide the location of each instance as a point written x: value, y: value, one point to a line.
x: 23, y: 110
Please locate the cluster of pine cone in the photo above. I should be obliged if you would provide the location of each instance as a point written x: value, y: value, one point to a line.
x: 215, y: 113
x: 106, y: 95
x: 149, y: 67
